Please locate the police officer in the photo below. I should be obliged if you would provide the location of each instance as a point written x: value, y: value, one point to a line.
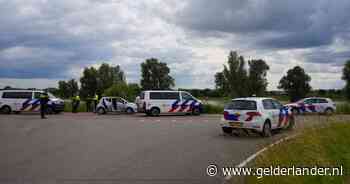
x: 95, y: 102
x: 88, y: 104
x: 75, y: 104
x: 44, y: 98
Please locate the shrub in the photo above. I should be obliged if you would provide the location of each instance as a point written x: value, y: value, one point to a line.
x: 212, y: 109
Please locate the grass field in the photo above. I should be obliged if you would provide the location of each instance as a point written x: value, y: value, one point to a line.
x: 328, y: 146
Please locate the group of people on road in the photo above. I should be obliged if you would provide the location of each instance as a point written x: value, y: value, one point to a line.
x: 76, y: 103
x: 44, y: 98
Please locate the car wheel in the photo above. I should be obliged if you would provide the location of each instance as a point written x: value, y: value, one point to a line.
x: 267, y: 129
x: 129, y: 110
x: 101, y: 111
x: 227, y: 130
x: 196, y: 112
x: 155, y: 111
x: 6, y: 110
x: 328, y: 111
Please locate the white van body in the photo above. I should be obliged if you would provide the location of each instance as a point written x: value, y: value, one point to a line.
x: 155, y: 102
x: 115, y: 104
x: 27, y: 100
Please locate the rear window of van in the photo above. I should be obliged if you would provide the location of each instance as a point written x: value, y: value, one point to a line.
x: 241, y: 105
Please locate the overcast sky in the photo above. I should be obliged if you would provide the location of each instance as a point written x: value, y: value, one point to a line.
x: 43, y: 41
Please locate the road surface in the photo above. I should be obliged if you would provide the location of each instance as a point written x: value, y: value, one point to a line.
x: 87, y: 148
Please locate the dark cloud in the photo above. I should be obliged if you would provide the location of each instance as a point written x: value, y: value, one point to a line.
x: 274, y: 23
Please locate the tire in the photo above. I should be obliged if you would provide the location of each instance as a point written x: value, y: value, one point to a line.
x: 266, y: 129
x: 329, y: 111
x: 6, y: 110
x: 101, y: 111
x: 227, y: 130
x: 129, y: 110
x: 155, y: 111
x: 196, y: 112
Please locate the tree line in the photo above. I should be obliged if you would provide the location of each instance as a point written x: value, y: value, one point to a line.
x: 238, y: 78
x: 108, y: 80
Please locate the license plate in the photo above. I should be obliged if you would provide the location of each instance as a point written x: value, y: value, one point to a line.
x: 235, y: 124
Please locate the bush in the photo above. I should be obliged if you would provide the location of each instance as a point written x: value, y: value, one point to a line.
x: 212, y: 109
x: 129, y: 92
x: 68, y: 106
x: 343, y: 108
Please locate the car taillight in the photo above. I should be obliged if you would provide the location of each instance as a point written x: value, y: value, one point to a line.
x: 251, y: 115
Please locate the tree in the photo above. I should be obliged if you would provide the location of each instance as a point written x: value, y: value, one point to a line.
x: 68, y: 89
x: 88, y: 82
x: 155, y: 75
x: 127, y: 91
x: 257, y: 77
x: 235, y: 75
x: 96, y: 81
x: 238, y: 81
x: 295, y: 83
x: 346, y: 77
x: 109, y: 75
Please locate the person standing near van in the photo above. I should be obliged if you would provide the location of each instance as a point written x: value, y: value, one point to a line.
x: 75, y: 104
x: 88, y: 104
x: 95, y: 102
x: 44, y: 98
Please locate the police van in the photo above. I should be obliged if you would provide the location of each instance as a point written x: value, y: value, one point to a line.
x: 26, y: 101
x: 155, y: 102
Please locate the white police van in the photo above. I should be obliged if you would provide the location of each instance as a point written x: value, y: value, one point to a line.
x: 258, y: 114
x: 27, y: 100
x: 115, y: 104
x: 155, y: 102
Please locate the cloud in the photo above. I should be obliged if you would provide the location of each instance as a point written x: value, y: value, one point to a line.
x: 53, y: 40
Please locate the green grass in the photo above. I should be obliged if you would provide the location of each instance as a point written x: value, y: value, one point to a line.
x: 212, y: 109
x: 343, y: 108
x: 323, y: 147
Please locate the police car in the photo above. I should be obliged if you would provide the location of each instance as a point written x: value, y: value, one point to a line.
x: 261, y: 115
x: 26, y: 101
x: 313, y: 105
x: 115, y: 104
x: 156, y: 102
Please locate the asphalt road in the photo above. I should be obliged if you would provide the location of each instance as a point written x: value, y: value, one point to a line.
x: 86, y: 148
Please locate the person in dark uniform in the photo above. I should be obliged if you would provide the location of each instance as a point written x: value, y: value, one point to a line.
x: 75, y: 104
x: 95, y: 102
x: 88, y: 104
x: 44, y: 98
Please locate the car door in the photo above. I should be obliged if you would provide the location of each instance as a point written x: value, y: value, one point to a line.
x: 170, y: 102
x: 310, y: 105
x: 186, y: 101
x: 280, y: 114
x: 321, y: 105
x: 121, y: 105
x: 271, y: 111
x: 23, y: 101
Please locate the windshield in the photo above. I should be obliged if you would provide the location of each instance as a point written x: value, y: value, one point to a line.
x: 241, y: 105
x: 51, y: 95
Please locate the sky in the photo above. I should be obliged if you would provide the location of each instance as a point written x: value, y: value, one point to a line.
x: 43, y: 41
